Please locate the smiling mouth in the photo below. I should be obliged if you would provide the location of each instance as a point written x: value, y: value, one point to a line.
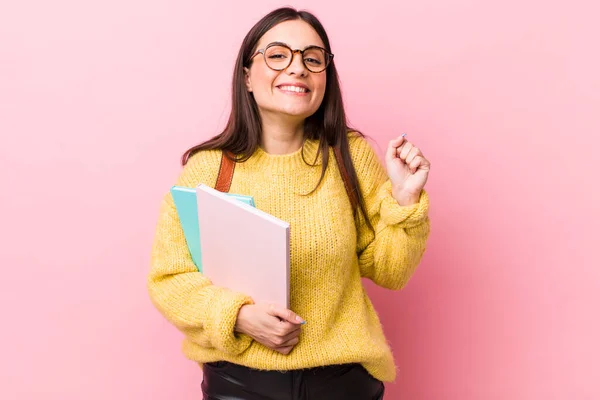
x: 294, y: 89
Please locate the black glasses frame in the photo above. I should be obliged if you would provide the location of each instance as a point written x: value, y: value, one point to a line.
x: 328, y: 56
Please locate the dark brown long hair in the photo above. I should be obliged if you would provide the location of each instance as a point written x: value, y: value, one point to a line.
x: 328, y: 124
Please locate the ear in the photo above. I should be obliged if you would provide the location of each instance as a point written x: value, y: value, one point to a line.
x: 247, y: 79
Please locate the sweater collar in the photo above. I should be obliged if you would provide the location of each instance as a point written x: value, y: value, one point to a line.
x: 305, y: 155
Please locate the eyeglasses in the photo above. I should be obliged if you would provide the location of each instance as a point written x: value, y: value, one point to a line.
x: 279, y: 56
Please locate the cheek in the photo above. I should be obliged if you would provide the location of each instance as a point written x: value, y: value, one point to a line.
x: 262, y: 80
x: 319, y: 84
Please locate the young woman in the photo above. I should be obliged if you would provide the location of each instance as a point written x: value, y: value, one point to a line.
x: 295, y: 154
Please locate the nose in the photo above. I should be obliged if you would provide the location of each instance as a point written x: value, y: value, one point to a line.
x: 297, y: 66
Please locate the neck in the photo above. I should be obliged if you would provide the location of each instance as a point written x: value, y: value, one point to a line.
x: 281, y: 137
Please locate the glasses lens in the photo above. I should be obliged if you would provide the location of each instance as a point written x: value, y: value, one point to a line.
x: 315, y: 59
x: 278, y: 57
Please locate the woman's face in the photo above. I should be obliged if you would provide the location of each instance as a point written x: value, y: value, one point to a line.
x: 294, y: 91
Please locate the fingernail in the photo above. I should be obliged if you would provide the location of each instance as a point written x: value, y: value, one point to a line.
x: 404, y: 135
x: 302, y: 322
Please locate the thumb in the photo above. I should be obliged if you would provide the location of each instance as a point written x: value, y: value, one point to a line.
x: 285, y: 314
x: 394, y: 145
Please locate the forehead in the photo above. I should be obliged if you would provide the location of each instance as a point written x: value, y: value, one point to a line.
x: 297, y: 34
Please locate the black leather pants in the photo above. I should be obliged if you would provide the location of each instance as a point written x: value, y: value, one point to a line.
x: 226, y: 381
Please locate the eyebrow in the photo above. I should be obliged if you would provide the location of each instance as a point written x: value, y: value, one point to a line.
x: 285, y: 44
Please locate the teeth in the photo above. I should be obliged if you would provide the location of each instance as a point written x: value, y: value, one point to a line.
x: 294, y: 89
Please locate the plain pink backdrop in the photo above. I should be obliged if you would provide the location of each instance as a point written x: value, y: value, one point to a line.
x: 98, y: 99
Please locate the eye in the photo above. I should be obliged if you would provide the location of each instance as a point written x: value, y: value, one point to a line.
x: 314, y: 57
x: 313, y: 61
x: 277, y: 53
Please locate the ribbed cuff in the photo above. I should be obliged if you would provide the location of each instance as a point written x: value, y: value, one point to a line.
x: 221, y: 316
x: 393, y: 213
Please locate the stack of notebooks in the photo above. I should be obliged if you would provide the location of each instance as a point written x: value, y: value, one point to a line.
x: 235, y: 244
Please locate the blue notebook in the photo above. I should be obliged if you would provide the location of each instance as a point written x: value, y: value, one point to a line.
x: 186, y: 204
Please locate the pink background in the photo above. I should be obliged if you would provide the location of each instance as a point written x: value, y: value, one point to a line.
x: 98, y: 99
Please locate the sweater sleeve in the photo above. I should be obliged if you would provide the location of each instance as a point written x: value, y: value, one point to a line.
x: 205, y: 313
x: 389, y: 255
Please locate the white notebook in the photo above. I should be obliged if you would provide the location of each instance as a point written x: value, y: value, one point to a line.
x: 243, y: 248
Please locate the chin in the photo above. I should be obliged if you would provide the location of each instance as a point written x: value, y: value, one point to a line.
x: 298, y: 113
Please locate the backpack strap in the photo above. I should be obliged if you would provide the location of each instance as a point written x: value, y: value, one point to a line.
x: 228, y: 166
x: 225, y: 172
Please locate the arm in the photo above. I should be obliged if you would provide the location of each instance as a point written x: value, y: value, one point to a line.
x: 389, y: 255
x: 205, y: 313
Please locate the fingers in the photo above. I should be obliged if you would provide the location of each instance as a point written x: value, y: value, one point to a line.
x: 287, y: 346
x: 284, y: 350
x: 285, y: 314
x: 280, y: 342
x: 287, y: 333
x: 414, y: 152
x: 278, y: 328
x: 283, y: 338
x: 419, y: 162
x: 394, y: 145
x: 398, y: 141
x: 414, y: 164
x: 404, y: 150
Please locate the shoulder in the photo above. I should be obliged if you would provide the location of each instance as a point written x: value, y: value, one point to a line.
x: 367, y: 163
x: 202, y: 167
x: 363, y: 150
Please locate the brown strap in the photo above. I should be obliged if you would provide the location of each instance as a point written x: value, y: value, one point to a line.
x: 225, y: 172
x: 228, y: 165
x: 345, y: 177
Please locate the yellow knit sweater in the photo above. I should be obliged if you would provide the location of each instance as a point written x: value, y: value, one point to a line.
x: 329, y: 255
